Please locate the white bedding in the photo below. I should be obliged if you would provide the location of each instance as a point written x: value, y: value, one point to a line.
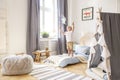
x: 64, y: 60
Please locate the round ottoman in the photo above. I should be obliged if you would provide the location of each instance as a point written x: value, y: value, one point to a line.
x: 16, y: 65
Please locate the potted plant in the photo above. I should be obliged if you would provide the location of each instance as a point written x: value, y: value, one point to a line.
x: 45, y: 34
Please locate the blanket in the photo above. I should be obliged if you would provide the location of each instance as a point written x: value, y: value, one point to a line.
x: 64, y: 60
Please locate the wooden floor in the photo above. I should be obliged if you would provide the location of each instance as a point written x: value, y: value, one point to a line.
x: 21, y: 77
x: 76, y: 68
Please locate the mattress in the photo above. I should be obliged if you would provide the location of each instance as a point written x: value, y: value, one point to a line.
x: 64, y: 60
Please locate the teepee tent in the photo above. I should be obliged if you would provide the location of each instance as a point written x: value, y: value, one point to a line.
x: 99, y: 53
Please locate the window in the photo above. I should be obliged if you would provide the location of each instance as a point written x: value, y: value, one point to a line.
x: 48, y: 17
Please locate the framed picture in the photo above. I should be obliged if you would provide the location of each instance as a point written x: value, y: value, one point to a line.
x: 87, y: 13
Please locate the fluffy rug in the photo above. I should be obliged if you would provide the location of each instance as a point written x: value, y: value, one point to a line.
x: 43, y: 72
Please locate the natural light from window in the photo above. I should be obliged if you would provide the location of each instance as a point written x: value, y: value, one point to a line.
x: 48, y: 17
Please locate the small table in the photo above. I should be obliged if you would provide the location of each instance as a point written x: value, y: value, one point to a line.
x: 39, y: 53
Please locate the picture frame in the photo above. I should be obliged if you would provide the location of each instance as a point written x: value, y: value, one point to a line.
x: 87, y: 13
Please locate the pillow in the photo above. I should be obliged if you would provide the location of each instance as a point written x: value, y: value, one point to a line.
x: 82, y: 49
x: 96, y: 58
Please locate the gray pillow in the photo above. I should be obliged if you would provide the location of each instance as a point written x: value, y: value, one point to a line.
x: 96, y: 57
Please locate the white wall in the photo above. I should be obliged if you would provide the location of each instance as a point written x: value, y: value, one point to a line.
x: 82, y: 27
x: 17, y: 24
x: 17, y: 19
x: 118, y: 6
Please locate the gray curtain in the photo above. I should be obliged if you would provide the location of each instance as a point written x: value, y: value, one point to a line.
x: 33, y: 27
x: 111, y: 29
x: 62, y: 11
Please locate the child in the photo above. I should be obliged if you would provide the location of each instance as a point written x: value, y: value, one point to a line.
x: 69, y: 40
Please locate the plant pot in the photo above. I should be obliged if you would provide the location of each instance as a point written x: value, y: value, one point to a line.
x: 45, y: 36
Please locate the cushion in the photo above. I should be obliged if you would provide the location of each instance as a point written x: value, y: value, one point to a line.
x: 95, y: 58
x: 82, y: 49
x: 16, y: 65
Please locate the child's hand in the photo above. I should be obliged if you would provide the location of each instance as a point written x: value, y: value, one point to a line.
x: 73, y: 26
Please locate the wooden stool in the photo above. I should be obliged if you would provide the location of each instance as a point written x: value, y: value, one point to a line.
x: 39, y: 53
x: 37, y: 56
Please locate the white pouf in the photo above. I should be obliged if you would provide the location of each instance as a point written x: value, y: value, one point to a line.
x: 17, y: 64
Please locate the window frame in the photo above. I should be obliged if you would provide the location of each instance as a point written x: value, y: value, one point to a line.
x: 55, y: 17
